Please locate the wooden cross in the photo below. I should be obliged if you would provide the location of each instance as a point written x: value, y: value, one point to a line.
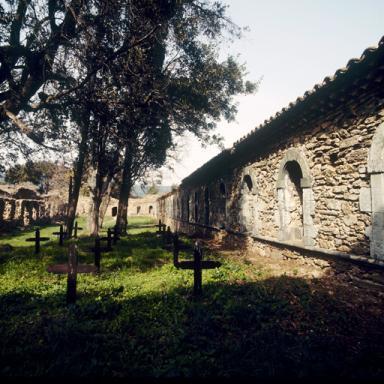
x: 108, y: 239
x: 160, y: 225
x: 115, y: 233
x: 61, y: 234
x: 77, y: 228
x: 198, y: 264
x: 72, y: 268
x: 97, y: 250
x: 168, y: 235
x: 37, y: 240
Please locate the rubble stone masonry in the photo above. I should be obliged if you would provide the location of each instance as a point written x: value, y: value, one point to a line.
x: 311, y: 178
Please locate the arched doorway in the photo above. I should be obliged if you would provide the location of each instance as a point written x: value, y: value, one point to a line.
x: 248, y: 219
x: 206, y: 206
x: 150, y: 209
x: 196, y: 211
x: 372, y: 198
x: 295, y: 199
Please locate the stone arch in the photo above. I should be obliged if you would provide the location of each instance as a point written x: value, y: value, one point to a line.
x: 295, y: 199
x: 222, y: 204
x: 248, y: 213
x: 372, y: 199
x: 206, y: 206
x: 196, y: 206
x: 294, y: 154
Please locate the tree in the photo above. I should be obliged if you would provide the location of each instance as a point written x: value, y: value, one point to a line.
x: 184, y: 81
x: 45, y: 174
x: 38, y: 44
x: 153, y: 189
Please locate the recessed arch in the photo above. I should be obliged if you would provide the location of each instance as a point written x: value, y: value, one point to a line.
x: 223, y: 189
x: 248, y: 215
x: 247, y: 180
x: 295, y: 199
x: 373, y: 201
x: 206, y: 206
x: 294, y: 154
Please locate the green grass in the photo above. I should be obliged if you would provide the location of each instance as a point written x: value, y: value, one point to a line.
x: 138, y: 318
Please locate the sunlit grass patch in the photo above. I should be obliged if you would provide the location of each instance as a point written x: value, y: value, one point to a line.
x: 138, y: 317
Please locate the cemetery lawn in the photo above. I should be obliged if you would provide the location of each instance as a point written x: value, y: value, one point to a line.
x: 138, y: 317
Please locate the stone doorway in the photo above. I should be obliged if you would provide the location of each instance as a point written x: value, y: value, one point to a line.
x: 206, y: 206
x: 295, y: 199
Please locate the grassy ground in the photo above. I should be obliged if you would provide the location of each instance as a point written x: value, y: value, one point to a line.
x: 138, y: 317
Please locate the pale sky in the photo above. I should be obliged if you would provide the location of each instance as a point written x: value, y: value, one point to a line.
x: 293, y: 44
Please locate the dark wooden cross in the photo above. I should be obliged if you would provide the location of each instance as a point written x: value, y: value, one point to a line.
x: 198, y: 264
x: 98, y: 250
x: 108, y: 238
x: 77, y: 228
x: 160, y: 225
x: 116, y: 234
x: 37, y: 240
x: 61, y: 234
x: 168, y: 236
x: 72, y: 268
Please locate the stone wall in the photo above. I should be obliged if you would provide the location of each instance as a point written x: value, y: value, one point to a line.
x: 318, y: 183
x: 23, y: 212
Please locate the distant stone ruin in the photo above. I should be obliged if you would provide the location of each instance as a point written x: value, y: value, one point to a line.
x: 23, y: 207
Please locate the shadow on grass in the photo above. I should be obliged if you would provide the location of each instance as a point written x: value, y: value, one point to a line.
x: 274, y: 328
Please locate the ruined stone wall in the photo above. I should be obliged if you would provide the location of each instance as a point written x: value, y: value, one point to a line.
x: 23, y: 212
x: 327, y: 207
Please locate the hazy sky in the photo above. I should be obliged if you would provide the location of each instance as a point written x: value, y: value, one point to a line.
x: 293, y: 44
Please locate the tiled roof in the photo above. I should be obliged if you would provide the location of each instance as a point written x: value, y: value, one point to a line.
x: 350, y: 71
x: 327, y: 80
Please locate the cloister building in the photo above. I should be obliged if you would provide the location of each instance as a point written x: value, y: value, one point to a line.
x: 309, y: 179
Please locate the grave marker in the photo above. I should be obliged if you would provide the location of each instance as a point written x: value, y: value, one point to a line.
x: 72, y: 274
x: 72, y: 268
x: 116, y: 234
x: 198, y: 264
x: 108, y: 239
x: 37, y: 239
x: 77, y: 228
x: 98, y: 250
x: 160, y: 225
x: 61, y: 234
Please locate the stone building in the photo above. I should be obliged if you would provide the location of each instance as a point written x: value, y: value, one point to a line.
x: 308, y: 180
x: 23, y: 207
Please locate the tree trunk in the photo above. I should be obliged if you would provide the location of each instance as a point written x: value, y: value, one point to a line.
x: 125, y: 189
x: 78, y: 173
x: 104, y: 204
x: 100, y: 192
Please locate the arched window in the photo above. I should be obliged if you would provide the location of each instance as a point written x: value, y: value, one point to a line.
x: 222, y: 189
x: 150, y: 209
x: 197, y: 198
x: 248, y: 182
x: 138, y: 208
x: 206, y: 206
x: 187, y: 208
